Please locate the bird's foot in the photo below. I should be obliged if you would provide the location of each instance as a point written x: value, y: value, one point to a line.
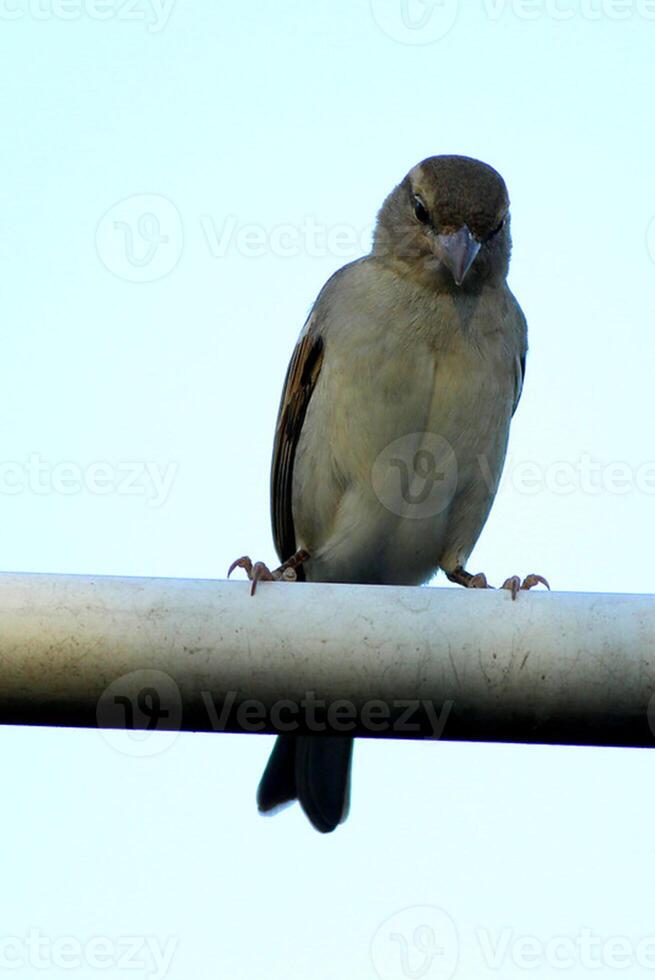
x: 460, y: 576
x: 259, y: 572
x: 515, y: 585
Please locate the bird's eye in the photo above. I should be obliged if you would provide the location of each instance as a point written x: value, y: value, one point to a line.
x: 496, y: 230
x: 421, y: 211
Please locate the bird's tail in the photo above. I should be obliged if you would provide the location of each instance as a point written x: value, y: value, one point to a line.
x: 315, y: 770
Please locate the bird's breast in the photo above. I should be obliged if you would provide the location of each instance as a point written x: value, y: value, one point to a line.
x: 409, y: 420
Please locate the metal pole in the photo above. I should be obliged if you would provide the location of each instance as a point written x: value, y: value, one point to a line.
x: 361, y: 660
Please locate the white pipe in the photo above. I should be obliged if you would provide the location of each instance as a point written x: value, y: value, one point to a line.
x: 365, y: 660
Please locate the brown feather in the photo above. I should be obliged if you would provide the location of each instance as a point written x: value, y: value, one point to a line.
x: 302, y: 374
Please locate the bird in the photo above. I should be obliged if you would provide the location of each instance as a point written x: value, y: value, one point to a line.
x: 394, y: 422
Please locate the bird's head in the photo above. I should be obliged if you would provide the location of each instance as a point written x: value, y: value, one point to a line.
x: 448, y: 221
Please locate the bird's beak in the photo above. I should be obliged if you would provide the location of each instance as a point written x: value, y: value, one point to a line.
x: 457, y: 251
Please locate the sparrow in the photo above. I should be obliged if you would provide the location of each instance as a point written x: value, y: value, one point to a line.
x: 394, y: 421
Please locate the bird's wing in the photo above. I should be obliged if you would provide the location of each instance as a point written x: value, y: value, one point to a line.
x: 521, y: 335
x: 520, y: 377
x: 302, y: 375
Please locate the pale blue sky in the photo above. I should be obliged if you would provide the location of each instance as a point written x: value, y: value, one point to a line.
x: 261, y: 139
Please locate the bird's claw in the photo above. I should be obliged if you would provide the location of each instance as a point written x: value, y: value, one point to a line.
x: 514, y: 584
x: 460, y: 576
x: 260, y: 572
x: 256, y: 572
